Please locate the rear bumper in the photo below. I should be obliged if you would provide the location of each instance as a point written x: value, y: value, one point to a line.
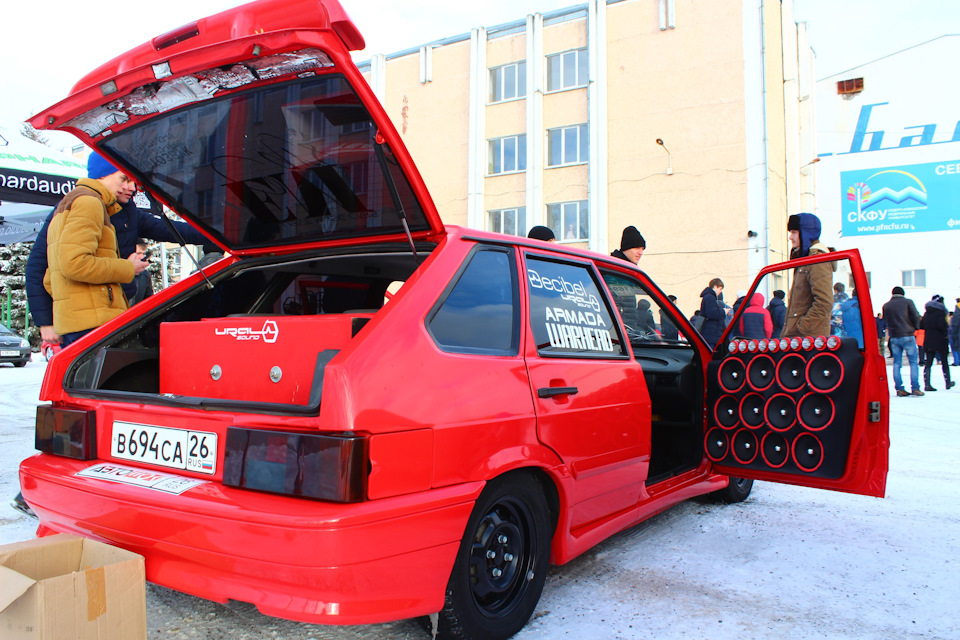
x: 296, y: 559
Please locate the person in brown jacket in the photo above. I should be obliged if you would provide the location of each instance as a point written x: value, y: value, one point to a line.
x: 84, y: 265
x: 811, y: 296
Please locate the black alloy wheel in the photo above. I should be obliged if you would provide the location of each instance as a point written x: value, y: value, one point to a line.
x: 502, y: 562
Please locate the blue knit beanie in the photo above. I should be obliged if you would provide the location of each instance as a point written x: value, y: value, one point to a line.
x: 98, y: 166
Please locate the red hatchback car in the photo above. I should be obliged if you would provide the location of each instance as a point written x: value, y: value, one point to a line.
x: 362, y: 415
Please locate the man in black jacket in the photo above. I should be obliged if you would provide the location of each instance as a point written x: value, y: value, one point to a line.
x: 713, y: 314
x: 778, y: 311
x: 903, y: 320
x: 131, y: 224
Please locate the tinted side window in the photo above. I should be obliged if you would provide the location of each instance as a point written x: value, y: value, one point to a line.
x: 480, y: 312
x: 568, y: 312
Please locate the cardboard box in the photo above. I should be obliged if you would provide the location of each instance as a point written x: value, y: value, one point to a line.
x: 64, y: 586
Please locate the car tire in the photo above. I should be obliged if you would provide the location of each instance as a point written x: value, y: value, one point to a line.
x: 737, y: 491
x: 21, y: 363
x: 502, y: 562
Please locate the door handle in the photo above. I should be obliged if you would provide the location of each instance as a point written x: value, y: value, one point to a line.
x: 551, y: 392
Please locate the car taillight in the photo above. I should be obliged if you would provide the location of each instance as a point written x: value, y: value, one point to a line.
x: 66, y: 432
x: 323, y: 467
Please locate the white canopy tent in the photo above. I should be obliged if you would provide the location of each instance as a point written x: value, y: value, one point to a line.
x: 33, y: 179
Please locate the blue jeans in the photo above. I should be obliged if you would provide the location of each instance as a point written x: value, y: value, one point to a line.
x: 907, y: 345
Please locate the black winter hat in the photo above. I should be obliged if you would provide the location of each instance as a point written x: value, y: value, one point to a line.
x: 897, y: 291
x: 793, y: 223
x: 540, y: 232
x: 632, y: 239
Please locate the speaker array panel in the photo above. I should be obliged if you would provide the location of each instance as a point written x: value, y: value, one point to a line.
x: 784, y: 404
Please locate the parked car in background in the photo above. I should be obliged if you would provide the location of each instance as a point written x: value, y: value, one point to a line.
x: 13, y: 348
x: 360, y: 414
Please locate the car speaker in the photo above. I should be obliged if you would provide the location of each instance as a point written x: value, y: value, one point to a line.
x: 781, y: 412
x: 816, y: 411
x: 716, y: 443
x: 807, y: 452
x: 761, y: 372
x: 775, y: 449
x: 745, y: 446
x: 732, y: 375
x: 791, y: 372
x: 727, y: 412
x: 824, y: 372
x: 751, y: 410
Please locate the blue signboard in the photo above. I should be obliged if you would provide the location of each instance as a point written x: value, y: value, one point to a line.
x: 918, y: 197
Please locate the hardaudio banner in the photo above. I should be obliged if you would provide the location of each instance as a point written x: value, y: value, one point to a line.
x: 33, y: 173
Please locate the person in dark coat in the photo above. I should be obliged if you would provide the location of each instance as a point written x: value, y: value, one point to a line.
x: 755, y: 320
x: 850, y: 320
x: 713, y: 314
x: 778, y: 311
x: 131, y: 224
x: 881, y: 333
x: 934, y: 325
x: 668, y: 330
x: 632, y: 246
x: 646, y: 325
x: 955, y: 334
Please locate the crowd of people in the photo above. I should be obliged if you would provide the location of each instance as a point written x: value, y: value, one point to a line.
x: 816, y: 307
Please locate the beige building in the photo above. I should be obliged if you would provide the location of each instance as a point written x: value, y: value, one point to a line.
x: 690, y: 120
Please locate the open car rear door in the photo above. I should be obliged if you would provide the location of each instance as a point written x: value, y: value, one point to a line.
x: 808, y: 410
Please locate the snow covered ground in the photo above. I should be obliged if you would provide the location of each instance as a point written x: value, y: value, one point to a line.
x: 789, y: 562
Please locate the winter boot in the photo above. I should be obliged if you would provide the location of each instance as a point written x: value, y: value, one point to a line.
x: 946, y: 378
x: 926, y: 380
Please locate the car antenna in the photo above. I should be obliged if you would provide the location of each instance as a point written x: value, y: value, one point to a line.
x: 157, y: 207
x: 379, y: 141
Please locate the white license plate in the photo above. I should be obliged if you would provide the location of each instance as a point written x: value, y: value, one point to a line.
x: 9, y: 353
x: 175, y: 448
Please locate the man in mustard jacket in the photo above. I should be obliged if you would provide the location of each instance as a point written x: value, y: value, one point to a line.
x: 84, y: 265
x: 811, y: 297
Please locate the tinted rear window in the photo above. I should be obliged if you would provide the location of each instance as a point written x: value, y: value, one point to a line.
x: 281, y: 164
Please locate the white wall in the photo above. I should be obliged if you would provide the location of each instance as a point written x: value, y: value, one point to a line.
x: 917, y: 87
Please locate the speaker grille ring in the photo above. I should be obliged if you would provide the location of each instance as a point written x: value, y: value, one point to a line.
x: 716, y: 443
x: 775, y: 449
x: 732, y: 375
x: 761, y: 372
x: 780, y: 412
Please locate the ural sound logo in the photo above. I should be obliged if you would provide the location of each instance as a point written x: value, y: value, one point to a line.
x: 268, y: 333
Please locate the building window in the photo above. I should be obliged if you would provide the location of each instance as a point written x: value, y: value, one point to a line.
x: 915, y: 278
x: 508, y: 82
x: 570, y: 221
x: 507, y: 155
x: 567, y: 145
x: 853, y: 85
x: 509, y: 221
x: 567, y: 70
